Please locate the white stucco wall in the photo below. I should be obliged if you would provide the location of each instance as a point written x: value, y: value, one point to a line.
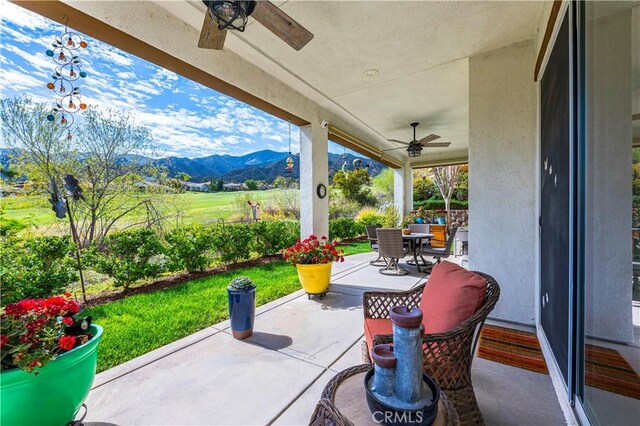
x: 609, y: 198
x: 502, y: 176
x: 314, y: 170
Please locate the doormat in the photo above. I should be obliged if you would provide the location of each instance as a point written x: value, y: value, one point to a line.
x: 606, y: 369
x: 512, y: 347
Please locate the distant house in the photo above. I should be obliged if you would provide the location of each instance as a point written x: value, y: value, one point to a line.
x: 234, y: 186
x: 197, y: 187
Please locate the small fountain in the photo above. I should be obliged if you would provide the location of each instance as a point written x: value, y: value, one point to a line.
x: 398, y: 392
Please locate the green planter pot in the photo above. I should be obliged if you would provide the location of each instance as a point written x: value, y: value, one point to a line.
x: 55, y: 395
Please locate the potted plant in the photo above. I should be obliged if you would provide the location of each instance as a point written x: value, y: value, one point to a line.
x: 48, y: 361
x: 406, y: 221
x: 313, y: 258
x: 441, y: 217
x: 241, y: 293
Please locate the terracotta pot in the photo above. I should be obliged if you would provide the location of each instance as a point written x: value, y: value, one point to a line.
x: 406, y: 232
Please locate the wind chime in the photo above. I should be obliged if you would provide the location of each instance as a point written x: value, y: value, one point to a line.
x: 65, y: 55
x: 289, y: 168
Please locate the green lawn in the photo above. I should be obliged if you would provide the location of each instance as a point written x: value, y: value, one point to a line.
x: 199, y: 208
x: 143, y: 322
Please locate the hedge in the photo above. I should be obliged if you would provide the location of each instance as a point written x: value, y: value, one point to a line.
x: 439, y: 204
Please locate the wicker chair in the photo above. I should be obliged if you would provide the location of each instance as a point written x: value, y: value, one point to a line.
x: 447, y: 356
x: 420, y: 228
x: 441, y: 253
x: 391, y: 247
x: 373, y: 244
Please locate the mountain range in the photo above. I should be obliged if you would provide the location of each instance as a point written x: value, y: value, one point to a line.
x: 263, y: 165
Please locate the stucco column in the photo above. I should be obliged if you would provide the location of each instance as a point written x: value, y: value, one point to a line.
x: 403, y: 189
x: 314, y: 170
x: 503, y: 226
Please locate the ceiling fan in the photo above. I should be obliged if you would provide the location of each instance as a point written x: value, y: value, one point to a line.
x: 223, y: 15
x: 414, y: 148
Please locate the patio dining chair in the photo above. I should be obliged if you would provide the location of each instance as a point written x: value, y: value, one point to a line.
x: 373, y: 244
x: 392, y: 248
x: 441, y: 253
x: 448, y: 354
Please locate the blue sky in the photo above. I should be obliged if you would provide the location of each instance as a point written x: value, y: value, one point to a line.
x: 186, y: 119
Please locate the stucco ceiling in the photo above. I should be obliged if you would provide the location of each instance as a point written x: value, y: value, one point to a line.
x: 420, y: 49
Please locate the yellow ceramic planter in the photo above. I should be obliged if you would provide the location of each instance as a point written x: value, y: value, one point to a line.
x: 315, y: 278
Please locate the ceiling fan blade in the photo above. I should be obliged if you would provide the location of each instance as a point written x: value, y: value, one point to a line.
x: 397, y: 141
x: 210, y: 36
x: 391, y: 149
x: 429, y: 138
x: 281, y: 24
x: 437, y: 145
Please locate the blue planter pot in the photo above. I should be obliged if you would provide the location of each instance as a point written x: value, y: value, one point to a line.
x: 442, y: 220
x: 242, y: 311
x: 419, y: 220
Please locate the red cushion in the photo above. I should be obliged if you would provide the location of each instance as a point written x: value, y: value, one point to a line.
x: 452, y: 295
x: 373, y: 327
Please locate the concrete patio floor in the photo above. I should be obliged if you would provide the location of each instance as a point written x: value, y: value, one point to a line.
x: 277, y: 375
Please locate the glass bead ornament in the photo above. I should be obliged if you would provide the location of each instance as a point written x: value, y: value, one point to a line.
x: 64, y: 53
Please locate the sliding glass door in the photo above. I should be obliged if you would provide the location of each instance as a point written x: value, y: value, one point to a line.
x: 608, y: 361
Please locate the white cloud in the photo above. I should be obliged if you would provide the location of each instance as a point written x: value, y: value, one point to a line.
x: 19, y: 16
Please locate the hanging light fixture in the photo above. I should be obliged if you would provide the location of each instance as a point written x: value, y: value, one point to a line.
x: 414, y: 150
x: 289, y: 168
x: 230, y: 14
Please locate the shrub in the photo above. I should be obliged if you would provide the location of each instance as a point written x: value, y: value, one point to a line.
x: 271, y: 237
x: 345, y: 227
x: 130, y: 256
x: 435, y: 204
x: 189, y: 248
x: 369, y: 217
x: 390, y: 217
x: 232, y: 242
x: 340, y: 207
x: 38, y: 267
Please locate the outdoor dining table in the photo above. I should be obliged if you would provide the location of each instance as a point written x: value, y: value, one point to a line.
x: 415, y: 240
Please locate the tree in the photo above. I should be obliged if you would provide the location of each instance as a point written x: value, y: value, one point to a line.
x: 383, y: 183
x: 280, y: 182
x: 185, y: 177
x: 100, y: 156
x: 40, y: 148
x: 353, y: 184
x: 446, y: 179
x: 251, y: 184
x: 220, y: 185
x: 424, y: 187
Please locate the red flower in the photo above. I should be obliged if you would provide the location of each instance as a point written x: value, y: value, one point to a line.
x: 3, y: 340
x: 67, y: 320
x: 67, y: 342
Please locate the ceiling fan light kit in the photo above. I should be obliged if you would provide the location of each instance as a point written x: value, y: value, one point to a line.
x: 231, y: 15
x: 223, y: 15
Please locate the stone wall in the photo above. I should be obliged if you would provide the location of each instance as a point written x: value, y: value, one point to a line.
x: 458, y: 218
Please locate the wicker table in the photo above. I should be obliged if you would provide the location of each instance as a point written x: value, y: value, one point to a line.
x: 344, y: 402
